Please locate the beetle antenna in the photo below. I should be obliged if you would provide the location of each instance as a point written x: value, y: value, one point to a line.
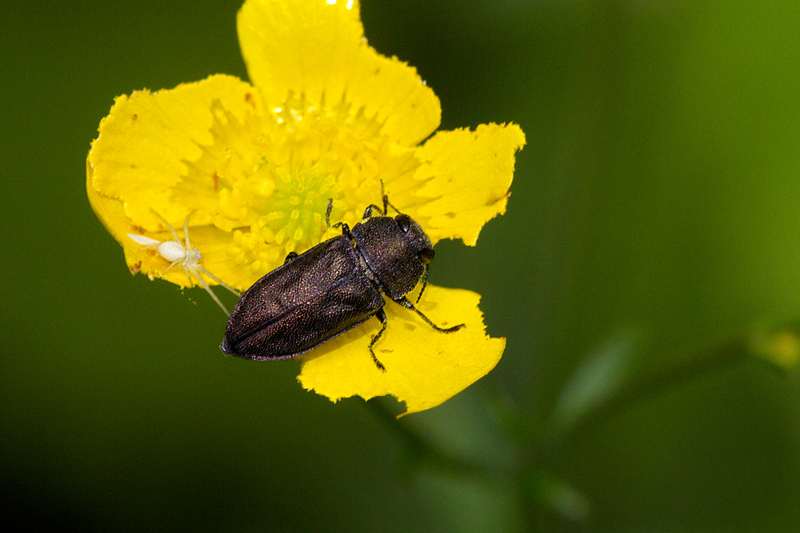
x: 328, y: 212
x: 387, y: 202
x: 384, y: 197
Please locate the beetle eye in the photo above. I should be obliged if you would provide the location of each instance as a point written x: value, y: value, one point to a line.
x: 426, y: 255
x: 404, y: 221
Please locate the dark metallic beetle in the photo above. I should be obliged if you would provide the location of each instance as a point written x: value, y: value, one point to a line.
x: 331, y: 288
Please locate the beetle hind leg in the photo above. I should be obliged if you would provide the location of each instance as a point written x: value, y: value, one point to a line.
x: 408, y: 305
x: 380, y: 315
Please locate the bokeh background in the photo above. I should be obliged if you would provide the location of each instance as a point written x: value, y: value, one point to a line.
x: 655, y: 216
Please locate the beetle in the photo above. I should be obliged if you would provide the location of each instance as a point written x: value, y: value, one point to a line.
x: 332, y: 288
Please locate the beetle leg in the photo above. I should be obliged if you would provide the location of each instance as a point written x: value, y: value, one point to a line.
x: 424, y: 283
x: 380, y: 315
x: 408, y: 305
x: 369, y: 209
x: 345, y: 227
x: 289, y: 257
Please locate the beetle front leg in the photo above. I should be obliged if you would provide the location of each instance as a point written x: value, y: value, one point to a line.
x: 380, y: 315
x: 371, y: 207
x: 408, y: 305
x: 368, y: 211
x: 345, y: 227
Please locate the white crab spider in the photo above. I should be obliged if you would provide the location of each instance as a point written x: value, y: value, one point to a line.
x: 187, y: 257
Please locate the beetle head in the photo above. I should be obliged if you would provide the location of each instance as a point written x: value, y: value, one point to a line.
x: 416, y: 237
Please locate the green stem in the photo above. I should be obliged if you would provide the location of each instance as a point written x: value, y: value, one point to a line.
x: 419, y: 449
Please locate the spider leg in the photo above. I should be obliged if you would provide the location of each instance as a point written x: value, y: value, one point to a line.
x: 171, y: 229
x: 211, y: 293
x: 186, y: 232
x: 172, y: 265
x: 215, y: 278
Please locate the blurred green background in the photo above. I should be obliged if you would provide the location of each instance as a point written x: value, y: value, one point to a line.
x: 655, y: 215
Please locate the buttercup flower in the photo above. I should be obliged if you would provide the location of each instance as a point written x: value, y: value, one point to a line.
x: 254, y: 166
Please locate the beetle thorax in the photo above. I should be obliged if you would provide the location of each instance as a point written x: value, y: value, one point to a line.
x: 391, y: 254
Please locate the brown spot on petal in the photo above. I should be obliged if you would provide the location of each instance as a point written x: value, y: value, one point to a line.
x: 493, y: 201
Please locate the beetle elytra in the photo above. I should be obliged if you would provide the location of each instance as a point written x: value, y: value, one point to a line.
x: 333, y: 287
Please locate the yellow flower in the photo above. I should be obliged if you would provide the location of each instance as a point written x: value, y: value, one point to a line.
x: 254, y: 165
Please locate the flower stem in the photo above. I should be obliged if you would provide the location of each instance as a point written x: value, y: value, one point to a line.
x: 419, y: 449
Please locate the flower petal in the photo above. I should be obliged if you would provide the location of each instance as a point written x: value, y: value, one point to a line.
x: 424, y: 367
x: 465, y: 176
x: 315, y: 51
x: 150, y: 142
x: 152, y: 156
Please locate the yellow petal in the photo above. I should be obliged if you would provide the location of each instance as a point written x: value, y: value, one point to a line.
x: 155, y: 154
x: 464, y: 180
x: 110, y: 211
x: 151, y: 142
x: 313, y: 54
x: 424, y: 367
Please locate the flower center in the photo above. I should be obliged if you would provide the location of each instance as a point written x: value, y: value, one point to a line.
x: 295, y: 212
x: 280, y: 210
x: 273, y: 174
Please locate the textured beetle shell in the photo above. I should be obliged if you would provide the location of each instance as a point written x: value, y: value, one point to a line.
x: 299, y: 305
x: 331, y: 288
